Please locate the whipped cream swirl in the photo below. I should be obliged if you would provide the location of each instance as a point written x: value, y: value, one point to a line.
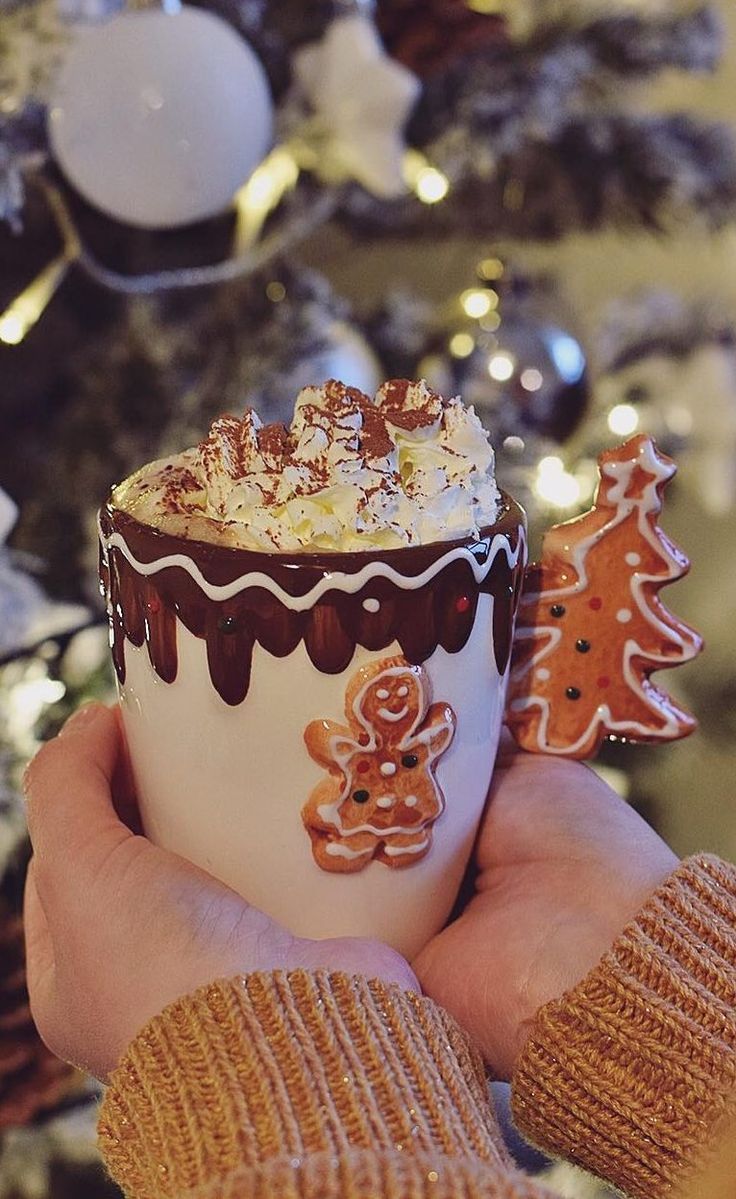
x: 351, y: 473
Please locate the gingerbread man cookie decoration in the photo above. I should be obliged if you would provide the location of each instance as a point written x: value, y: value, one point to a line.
x: 380, y: 798
x: 591, y: 628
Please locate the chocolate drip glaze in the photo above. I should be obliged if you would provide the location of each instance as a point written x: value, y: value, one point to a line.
x: 439, y: 612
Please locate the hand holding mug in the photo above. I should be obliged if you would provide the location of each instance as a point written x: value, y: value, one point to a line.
x: 118, y: 928
x: 562, y: 864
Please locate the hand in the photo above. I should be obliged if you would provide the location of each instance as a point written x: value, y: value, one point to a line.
x: 562, y: 865
x: 117, y: 928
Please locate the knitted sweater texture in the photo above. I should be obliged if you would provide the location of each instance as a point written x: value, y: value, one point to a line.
x: 320, y: 1086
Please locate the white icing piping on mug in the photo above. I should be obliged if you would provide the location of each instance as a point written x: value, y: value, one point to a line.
x: 339, y: 581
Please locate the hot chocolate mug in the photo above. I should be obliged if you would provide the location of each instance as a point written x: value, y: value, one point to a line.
x: 317, y: 730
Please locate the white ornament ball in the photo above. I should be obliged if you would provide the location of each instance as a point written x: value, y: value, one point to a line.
x: 158, y: 118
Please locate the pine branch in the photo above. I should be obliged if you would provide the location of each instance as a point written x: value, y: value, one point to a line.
x: 655, y: 172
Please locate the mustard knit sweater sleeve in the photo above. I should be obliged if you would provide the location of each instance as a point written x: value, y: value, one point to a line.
x: 321, y: 1086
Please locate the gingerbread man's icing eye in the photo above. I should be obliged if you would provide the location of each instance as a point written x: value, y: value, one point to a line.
x: 410, y: 760
x: 361, y: 796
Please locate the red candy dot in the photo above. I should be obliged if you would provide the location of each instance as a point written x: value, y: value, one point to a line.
x: 462, y: 603
x: 364, y: 738
x: 604, y: 681
x: 596, y: 603
x: 154, y: 604
x: 362, y: 767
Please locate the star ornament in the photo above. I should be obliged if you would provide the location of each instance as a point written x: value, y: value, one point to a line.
x: 361, y: 99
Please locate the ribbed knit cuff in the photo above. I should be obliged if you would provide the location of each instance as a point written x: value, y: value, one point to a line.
x: 271, y: 1069
x: 631, y: 1072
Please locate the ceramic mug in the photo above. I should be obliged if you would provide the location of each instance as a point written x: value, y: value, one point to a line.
x: 317, y: 730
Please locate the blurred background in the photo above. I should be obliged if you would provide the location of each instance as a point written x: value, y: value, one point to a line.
x: 531, y: 202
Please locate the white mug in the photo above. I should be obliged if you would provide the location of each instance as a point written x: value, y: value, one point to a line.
x: 317, y: 730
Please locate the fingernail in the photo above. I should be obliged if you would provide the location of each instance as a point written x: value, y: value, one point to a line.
x: 81, y: 719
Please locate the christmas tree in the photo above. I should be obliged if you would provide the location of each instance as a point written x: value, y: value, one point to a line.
x: 591, y: 626
x: 342, y: 192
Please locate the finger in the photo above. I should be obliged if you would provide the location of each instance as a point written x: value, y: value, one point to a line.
x: 71, y: 818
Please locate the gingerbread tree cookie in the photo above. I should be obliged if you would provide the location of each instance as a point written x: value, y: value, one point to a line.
x: 591, y: 628
x: 380, y: 798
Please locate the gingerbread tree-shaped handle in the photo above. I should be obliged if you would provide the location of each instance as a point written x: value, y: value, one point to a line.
x: 591, y: 627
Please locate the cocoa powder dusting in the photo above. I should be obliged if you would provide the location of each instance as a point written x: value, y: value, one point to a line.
x: 375, y: 440
x: 344, y: 396
x: 180, y: 485
x: 273, y: 442
x: 394, y: 392
x: 409, y: 418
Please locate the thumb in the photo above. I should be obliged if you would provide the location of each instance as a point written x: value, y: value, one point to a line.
x: 40, y: 962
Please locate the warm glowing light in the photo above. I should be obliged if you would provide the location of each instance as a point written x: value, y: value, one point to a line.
x: 476, y: 303
x: 501, y: 367
x: 461, y: 345
x: 531, y: 379
x: 490, y: 322
x: 623, y: 419
x: 679, y: 420
x: 29, y: 698
x: 276, y: 175
x: 30, y: 305
x: 487, y: 7
x: 12, y: 331
x: 551, y: 465
x: 426, y: 181
x: 431, y: 185
x: 556, y: 485
x: 490, y: 268
x: 275, y: 291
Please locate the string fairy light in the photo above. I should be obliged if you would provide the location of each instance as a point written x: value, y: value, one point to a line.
x: 556, y: 485
x: 501, y: 367
x: 265, y: 189
x: 623, y: 419
x: 477, y: 302
x: 429, y: 184
x: 461, y: 345
x: 277, y: 175
x: 295, y: 229
x: 490, y: 269
x: 27, y: 308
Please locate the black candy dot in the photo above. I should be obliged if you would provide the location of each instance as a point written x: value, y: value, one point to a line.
x: 409, y: 760
x: 573, y: 693
x: 557, y: 610
x: 582, y: 646
x: 227, y: 624
x: 361, y: 796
